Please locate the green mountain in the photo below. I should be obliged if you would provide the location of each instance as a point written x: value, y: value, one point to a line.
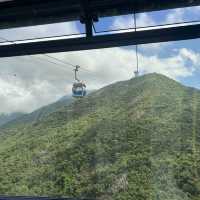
x: 137, y: 139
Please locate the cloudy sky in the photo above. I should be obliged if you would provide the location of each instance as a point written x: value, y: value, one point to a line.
x: 29, y: 82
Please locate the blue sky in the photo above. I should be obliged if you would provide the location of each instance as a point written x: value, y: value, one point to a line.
x: 40, y: 80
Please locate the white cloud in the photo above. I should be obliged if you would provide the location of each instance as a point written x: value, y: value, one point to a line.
x: 39, y: 31
x: 176, y: 15
x: 145, y: 19
x: 190, y: 55
x: 174, y: 67
x: 16, y: 97
x: 122, y: 22
x: 127, y: 21
x: 142, y: 20
x: 183, y: 14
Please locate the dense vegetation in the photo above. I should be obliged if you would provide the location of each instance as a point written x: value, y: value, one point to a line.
x: 138, y: 139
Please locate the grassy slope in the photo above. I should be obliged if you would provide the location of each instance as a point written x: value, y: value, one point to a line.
x: 137, y: 139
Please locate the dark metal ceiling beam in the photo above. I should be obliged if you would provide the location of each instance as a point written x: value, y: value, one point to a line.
x: 103, y: 41
x: 19, y: 13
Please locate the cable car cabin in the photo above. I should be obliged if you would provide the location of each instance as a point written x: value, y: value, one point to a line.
x: 79, y: 90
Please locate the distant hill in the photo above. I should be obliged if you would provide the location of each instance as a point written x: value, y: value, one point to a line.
x: 132, y: 140
x: 5, y: 118
x: 41, y: 113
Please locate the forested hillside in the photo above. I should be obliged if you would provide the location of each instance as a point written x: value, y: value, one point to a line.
x: 138, y: 139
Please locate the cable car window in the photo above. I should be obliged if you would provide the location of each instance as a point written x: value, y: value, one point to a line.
x: 117, y: 123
